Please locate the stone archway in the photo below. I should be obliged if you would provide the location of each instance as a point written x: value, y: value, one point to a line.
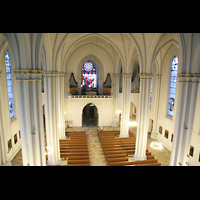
x: 90, y: 115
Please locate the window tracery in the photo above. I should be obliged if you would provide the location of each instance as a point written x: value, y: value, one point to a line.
x: 9, y: 84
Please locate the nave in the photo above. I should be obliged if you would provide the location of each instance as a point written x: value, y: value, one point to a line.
x: 95, y: 150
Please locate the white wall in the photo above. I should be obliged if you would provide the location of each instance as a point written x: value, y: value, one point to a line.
x: 195, y: 141
x: 104, y: 107
x: 11, y: 126
x: 164, y: 120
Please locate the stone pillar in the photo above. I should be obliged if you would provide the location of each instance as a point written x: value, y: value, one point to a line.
x: 186, y: 104
x: 3, y: 155
x: 61, y: 115
x: 143, y: 116
x: 52, y: 119
x: 124, y: 128
x: 29, y: 93
x: 115, y: 92
x: 156, y: 105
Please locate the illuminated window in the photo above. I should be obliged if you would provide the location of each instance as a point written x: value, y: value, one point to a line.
x: 89, y: 76
x: 9, y: 85
x: 172, y: 89
x: 151, y: 91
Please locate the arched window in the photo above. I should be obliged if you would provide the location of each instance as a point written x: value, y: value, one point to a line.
x: 172, y: 88
x: 151, y: 90
x: 89, y: 76
x: 9, y: 85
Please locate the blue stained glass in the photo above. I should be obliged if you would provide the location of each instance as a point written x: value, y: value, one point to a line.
x: 9, y: 85
x: 151, y: 91
x: 172, y: 89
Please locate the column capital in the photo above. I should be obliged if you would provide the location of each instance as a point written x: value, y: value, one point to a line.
x: 127, y: 75
x: 28, y: 74
x: 50, y: 74
x: 62, y: 74
x: 189, y: 78
x: 146, y: 76
x: 116, y: 75
x: 158, y: 75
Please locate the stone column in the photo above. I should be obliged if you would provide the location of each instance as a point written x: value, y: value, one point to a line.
x: 29, y: 93
x: 115, y: 92
x: 156, y: 105
x: 143, y: 116
x: 124, y: 128
x: 51, y: 114
x: 61, y: 115
x: 3, y: 157
x: 186, y: 104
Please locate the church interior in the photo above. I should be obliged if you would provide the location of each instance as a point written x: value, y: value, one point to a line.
x: 99, y: 99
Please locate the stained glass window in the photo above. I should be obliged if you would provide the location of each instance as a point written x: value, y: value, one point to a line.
x: 172, y: 89
x: 89, y: 76
x: 151, y: 91
x: 9, y: 85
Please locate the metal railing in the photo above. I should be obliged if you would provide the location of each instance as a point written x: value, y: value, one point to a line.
x: 90, y: 96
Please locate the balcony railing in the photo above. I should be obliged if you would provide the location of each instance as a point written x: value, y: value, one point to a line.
x: 90, y: 96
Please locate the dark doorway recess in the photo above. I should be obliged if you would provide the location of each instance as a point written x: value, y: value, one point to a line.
x: 90, y: 115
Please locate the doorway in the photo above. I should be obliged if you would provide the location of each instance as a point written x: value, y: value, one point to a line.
x: 90, y: 115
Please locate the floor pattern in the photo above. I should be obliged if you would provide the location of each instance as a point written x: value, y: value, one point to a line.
x: 96, y: 154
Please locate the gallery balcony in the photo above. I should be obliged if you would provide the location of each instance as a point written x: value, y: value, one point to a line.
x: 71, y: 96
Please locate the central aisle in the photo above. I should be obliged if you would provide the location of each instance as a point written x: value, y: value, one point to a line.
x: 96, y: 153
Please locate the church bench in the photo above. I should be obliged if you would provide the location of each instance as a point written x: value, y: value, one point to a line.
x: 74, y: 150
x: 78, y: 161
x: 82, y: 164
x: 73, y: 147
x: 135, y: 163
x: 117, y: 148
x: 77, y: 136
x: 77, y: 157
x: 150, y: 164
x: 116, y: 155
x: 77, y: 139
x: 75, y: 132
x: 117, y: 159
x: 119, y: 152
x: 124, y: 155
x: 138, y: 162
x: 128, y: 152
x: 113, y: 140
x: 120, y: 139
x: 150, y: 157
x: 66, y: 155
x: 118, y: 145
x: 74, y: 142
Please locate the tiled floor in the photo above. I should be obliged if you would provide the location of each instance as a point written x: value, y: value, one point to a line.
x: 96, y: 154
x: 17, y: 160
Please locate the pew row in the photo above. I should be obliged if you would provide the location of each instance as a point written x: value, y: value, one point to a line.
x: 117, y: 150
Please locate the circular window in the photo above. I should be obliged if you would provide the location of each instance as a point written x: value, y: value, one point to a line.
x: 88, y: 66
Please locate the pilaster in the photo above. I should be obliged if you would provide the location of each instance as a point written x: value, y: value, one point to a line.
x: 52, y: 113
x: 124, y: 128
x: 156, y: 105
x: 143, y: 116
x: 30, y: 116
x: 115, y: 92
x: 186, y: 104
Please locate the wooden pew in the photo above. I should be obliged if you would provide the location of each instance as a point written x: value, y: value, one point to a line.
x: 117, y: 149
x: 75, y: 149
x: 135, y: 163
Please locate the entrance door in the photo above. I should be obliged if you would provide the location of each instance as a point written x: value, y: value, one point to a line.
x: 90, y: 115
